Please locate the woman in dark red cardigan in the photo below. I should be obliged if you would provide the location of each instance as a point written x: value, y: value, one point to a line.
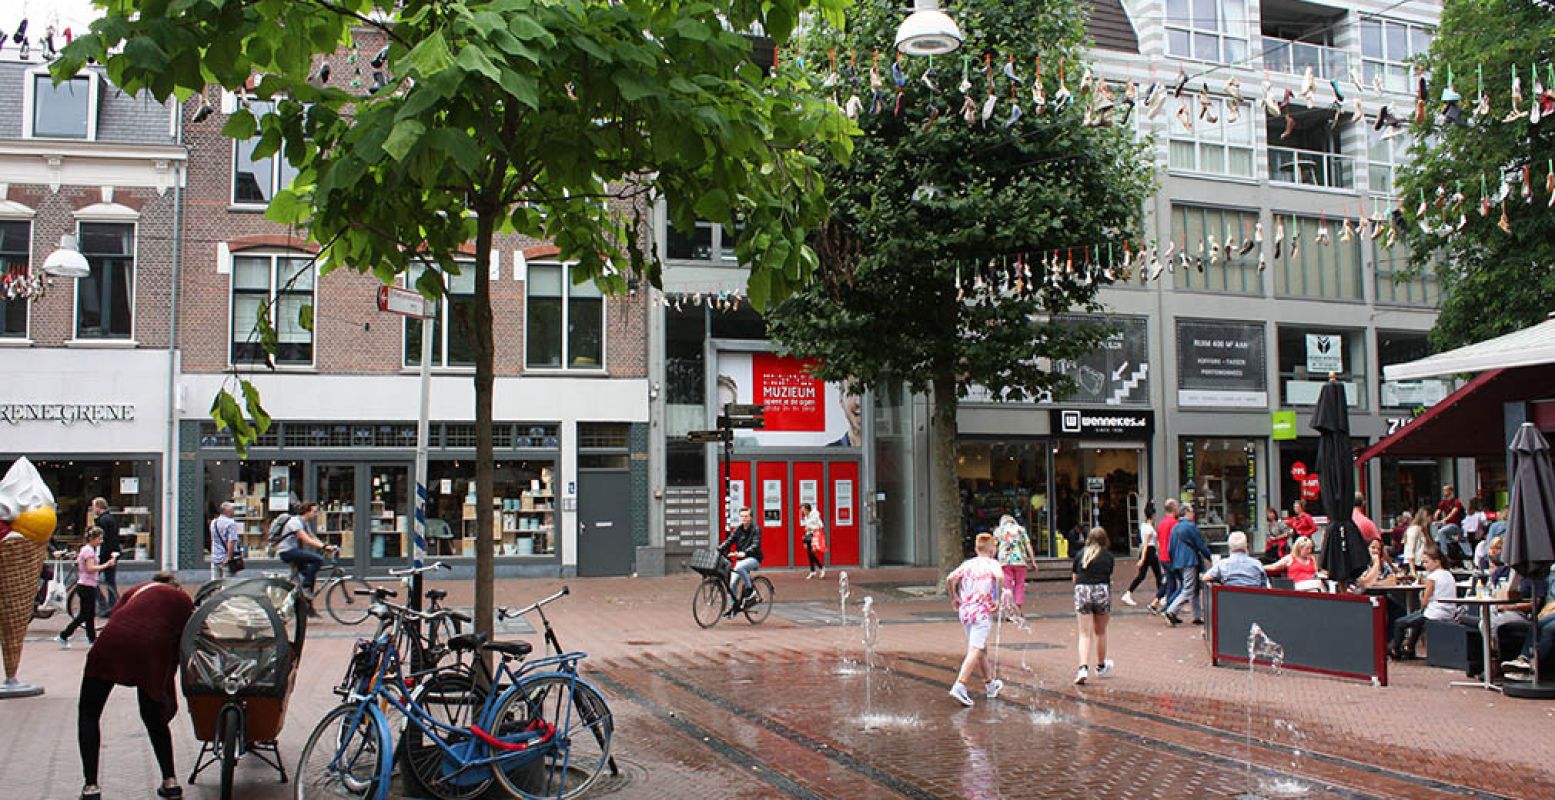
x: 138, y: 647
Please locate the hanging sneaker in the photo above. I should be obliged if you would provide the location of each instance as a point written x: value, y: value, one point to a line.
x: 1347, y: 232
x: 1184, y: 117
x: 1384, y: 119
x: 1271, y: 102
x: 1080, y: 675
x: 994, y: 687
x: 1504, y: 223
x: 1233, y: 89
x: 1355, y: 80
x: 1308, y: 87
x: 1290, y: 127
x: 959, y: 692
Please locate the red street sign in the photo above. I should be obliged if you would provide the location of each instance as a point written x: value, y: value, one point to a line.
x: 1298, y: 471
x: 405, y: 302
x: 1310, y: 488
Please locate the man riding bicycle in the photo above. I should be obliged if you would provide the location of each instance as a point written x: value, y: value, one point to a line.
x: 744, y: 544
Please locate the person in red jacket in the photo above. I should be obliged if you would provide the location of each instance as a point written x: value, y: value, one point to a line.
x: 1300, y: 521
x: 1165, y: 590
x: 138, y: 647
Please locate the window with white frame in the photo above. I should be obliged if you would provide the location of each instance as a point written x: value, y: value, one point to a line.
x: 256, y: 180
x: 105, y: 299
x: 1386, y: 46
x: 564, y: 321
x: 1222, y: 147
x: 279, y: 286
x: 1385, y: 157
x: 1207, y: 30
x: 710, y: 242
x: 67, y: 110
x: 1196, y: 227
x: 15, y: 250
x: 452, y: 345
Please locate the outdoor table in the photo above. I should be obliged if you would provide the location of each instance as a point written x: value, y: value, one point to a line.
x: 1485, y: 604
x: 1409, y: 593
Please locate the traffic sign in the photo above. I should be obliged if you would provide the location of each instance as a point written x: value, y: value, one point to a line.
x: 405, y: 302
x: 741, y: 422
x: 709, y: 437
x: 744, y: 409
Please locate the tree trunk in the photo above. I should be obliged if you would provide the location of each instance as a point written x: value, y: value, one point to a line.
x: 485, y: 576
x: 944, y: 492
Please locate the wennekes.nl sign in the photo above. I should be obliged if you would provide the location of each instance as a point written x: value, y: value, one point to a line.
x: 67, y: 413
x: 1102, y: 422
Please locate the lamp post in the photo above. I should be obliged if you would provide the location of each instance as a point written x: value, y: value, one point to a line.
x: 928, y: 31
x: 67, y: 261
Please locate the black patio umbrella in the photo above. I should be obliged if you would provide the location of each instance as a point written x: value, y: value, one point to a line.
x: 1344, y: 555
x: 1530, y: 530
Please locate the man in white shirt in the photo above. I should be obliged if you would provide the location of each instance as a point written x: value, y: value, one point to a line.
x: 225, y: 544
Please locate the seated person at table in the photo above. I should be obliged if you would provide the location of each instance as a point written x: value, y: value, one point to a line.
x: 1506, y: 584
x: 1439, y: 586
x: 1300, y: 567
x: 1239, y: 568
x: 1522, y: 666
x: 1380, y: 570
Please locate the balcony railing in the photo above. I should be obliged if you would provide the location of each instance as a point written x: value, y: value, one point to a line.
x: 1311, y: 168
x: 1283, y: 55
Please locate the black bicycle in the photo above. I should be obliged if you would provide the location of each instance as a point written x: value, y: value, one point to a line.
x: 712, y: 602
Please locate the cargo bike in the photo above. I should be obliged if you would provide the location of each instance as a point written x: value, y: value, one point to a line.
x: 239, y: 656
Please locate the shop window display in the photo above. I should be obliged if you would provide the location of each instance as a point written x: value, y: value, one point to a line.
x: 999, y: 478
x: 1220, y: 477
x: 524, y: 508
x: 261, y: 490
x: 129, y: 485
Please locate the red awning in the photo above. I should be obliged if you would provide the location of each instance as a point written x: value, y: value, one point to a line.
x: 1470, y: 422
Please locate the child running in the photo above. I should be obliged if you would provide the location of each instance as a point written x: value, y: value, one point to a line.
x: 974, y: 591
x: 1093, y: 602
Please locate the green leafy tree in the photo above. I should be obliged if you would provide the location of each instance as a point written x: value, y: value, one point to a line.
x: 1493, y: 281
x: 933, y: 216
x: 548, y: 118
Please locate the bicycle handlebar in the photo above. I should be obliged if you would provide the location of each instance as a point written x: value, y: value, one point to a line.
x: 511, y: 613
x: 377, y: 592
x: 408, y: 571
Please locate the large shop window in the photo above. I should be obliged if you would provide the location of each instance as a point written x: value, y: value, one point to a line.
x: 1307, y: 267
x: 1220, y: 477
x: 523, y: 513
x: 1003, y: 477
x: 565, y: 321
x: 1196, y: 227
x: 256, y: 180
x: 261, y: 490
x: 280, y: 287
x: 1398, y: 347
x: 1309, y: 355
x: 15, y: 254
x: 65, y: 111
x: 129, y: 485
x: 451, y: 344
x: 105, y: 299
x: 1386, y: 46
x: 1398, y: 284
x: 1222, y: 147
x: 1408, y: 485
x: 1207, y: 30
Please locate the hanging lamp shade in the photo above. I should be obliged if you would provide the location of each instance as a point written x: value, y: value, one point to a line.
x: 67, y: 261
x: 928, y: 31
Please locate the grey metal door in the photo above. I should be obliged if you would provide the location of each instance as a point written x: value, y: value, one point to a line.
x: 605, y: 523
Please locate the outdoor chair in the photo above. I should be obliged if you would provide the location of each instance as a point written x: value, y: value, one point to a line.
x: 1452, y: 645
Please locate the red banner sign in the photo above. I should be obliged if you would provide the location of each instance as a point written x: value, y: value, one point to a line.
x: 794, y: 399
x: 1298, y: 471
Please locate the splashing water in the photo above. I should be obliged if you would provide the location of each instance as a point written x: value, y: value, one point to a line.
x: 1261, y: 648
x: 842, y: 595
x: 871, y: 632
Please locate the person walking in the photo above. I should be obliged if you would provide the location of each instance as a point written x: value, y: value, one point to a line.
x: 1149, y: 560
x: 1301, y: 523
x: 1164, y: 592
x: 814, y: 539
x: 1368, y: 529
x: 226, y: 546
x: 1277, y: 536
x: 138, y: 648
x: 1415, y: 537
x: 1189, y: 552
x: 1015, y: 557
x: 974, y: 592
x: 1093, y: 603
x: 89, y: 571
x: 112, y: 544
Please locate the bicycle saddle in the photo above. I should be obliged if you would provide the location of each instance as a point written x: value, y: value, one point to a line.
x: 436, y: 594
x: 514, y: 649
x: 466, y: 641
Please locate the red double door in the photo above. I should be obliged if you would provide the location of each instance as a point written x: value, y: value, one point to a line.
x: 773, y: 491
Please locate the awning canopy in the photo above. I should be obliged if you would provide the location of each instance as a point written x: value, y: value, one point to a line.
x: 1527, y: 347
x: 1470, y: 422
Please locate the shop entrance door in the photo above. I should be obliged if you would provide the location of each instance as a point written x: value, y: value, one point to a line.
x: 604, y: 523
x: 773, y: 514
x: 843, y: 497
x: 809, y: 478
x: 1098, y: 484
x: 364, y: 510
x: 739, y: 486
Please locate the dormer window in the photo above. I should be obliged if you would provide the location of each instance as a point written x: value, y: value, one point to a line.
x: 67, y: 110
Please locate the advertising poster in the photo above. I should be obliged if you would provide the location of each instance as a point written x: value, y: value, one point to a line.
x: 844, y: 492
x: 1325, y: 353
x: 800, y: 410
x: 772, y: 504
x: 807, y: 492
x: 1221, y: 364
x: 280, y: 488
x: 1117, y: 372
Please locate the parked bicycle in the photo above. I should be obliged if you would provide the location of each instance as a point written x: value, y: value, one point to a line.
x: 712, y: 601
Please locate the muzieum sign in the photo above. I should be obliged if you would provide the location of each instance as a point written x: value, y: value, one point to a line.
x: 67, y: 413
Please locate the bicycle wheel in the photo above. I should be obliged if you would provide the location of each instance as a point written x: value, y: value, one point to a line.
x: 343, y: 602
x: 452, y: 699
x: 760, y: 605
x: 579, y: 748
x: 343, y: 758
x: 710, y: 602
x: 227, y: 723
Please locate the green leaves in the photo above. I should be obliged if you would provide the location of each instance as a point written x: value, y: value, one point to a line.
x: 405, y: 134
x: 246, y: 422
x: 431, y: 56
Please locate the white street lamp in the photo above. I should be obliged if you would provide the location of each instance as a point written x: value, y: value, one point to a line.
x: 928, y: 31
x: 67, y: 261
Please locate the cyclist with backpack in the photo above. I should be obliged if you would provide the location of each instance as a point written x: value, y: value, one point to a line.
x: 292, y: 535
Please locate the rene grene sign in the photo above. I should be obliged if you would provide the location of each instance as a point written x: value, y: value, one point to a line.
x: 67, y: 413
x: 1102, y: 422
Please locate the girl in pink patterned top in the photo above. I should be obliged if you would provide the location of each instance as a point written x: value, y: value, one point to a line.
x: 974, y: 589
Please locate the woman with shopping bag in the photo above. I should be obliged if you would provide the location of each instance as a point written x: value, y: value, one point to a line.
x: 814, y: 539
